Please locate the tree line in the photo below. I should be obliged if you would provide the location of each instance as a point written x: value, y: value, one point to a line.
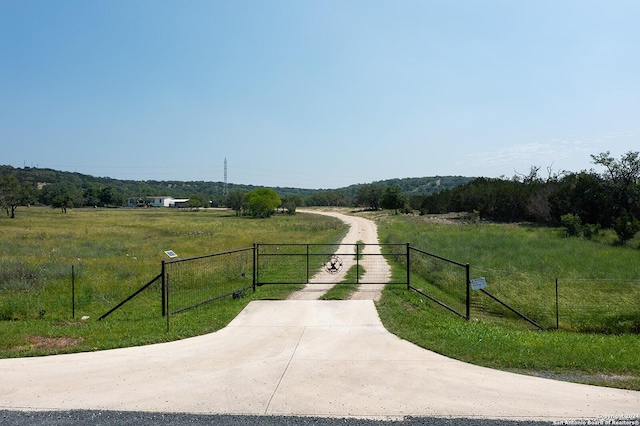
x: 583, y: 202
x: 63, y: 190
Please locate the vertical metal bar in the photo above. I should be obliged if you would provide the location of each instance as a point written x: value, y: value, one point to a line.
x: 255, y: 261
x: 168, y: 313
x: 307, y: 277
x: 73, y: 292
x: 357, y: 263
x: 164, y: 291
x: 408, y: 267
x: 557, y: 308
x: 468, y: 292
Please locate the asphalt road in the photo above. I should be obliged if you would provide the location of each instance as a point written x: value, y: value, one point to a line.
x: 110, y: 418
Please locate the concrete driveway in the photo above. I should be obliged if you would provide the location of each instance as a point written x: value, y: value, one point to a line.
x: 297, y: 357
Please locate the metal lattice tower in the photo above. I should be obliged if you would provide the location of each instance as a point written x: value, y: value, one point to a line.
x: 224, y: 190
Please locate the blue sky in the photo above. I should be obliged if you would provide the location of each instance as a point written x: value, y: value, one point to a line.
x: 317, y: 94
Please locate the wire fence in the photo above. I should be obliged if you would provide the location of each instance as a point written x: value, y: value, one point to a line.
x: 195, y: 281
x: 598, y: 306
x: 574, y: 304
x: 532, y: 297
x: 293, y: 263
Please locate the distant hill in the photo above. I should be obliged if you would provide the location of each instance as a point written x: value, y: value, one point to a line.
x: 418, y: 185
x: 214, y: 191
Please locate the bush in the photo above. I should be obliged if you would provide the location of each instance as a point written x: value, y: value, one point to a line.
x: 626, y: 227
x: 572, y: 224
x: 262, y: 202
x: 591, y: 231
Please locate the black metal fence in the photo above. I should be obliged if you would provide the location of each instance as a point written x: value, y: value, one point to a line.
x: 580, y: 305
x: 441, y: 280
x: 325, y: 263
x: 194, y: 281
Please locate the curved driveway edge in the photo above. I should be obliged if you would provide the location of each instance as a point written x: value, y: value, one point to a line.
x: 304, y: 358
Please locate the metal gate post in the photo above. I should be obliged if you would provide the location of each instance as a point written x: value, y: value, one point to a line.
x: 557, y: 308
x: 357, y: 263
x: 468, y: 292
x: 164, y: 291
x: 168, y: 311
x: 408, y: 268
x: 255, y: 266
x: 73, y: 292
x: 307, y: 277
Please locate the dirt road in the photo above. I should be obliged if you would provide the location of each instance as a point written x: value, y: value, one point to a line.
x: 376, y: 268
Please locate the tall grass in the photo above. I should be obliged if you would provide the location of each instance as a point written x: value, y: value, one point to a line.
x: 114, y: 252
x: 521, y: 264
x: 598, y: 284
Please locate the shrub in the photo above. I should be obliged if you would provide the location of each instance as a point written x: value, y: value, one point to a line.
x: 262, y: 202
x: 572, y: 224
x: 591, y: 231
x: 626, y: 227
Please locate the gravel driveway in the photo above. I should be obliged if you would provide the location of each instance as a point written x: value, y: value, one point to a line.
x: 376, y: 267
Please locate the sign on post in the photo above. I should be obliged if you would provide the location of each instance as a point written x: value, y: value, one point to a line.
x: 478, y: 283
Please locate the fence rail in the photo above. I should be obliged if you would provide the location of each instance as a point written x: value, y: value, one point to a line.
x: 447, y: 280
x: 581, y: 305
x: 194, y: 281
x: 322, y: 263
x: 137, y: 292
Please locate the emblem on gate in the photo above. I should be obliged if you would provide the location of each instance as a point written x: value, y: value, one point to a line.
x: 333, y: 265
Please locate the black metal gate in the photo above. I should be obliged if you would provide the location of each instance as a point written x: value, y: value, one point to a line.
x: 326, y: 263
x: 191, y: 282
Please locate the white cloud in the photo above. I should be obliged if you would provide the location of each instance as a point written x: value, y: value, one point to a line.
x: 572, y: 153
x: 535, y: 153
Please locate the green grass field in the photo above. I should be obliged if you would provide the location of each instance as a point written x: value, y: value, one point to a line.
x: 116, y: 251
x: 599, y: 287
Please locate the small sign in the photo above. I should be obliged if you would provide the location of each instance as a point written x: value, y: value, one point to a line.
x: 478, y: 283
x: 333, y: 265
x: 171, y: 253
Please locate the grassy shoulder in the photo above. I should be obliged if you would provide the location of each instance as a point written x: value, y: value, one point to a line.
x: 500, y: 341
x: 342, y: 291
x: 134, y: 325
x: 608, y: 360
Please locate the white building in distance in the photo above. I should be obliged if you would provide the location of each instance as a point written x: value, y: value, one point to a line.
x: 157, y: 201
